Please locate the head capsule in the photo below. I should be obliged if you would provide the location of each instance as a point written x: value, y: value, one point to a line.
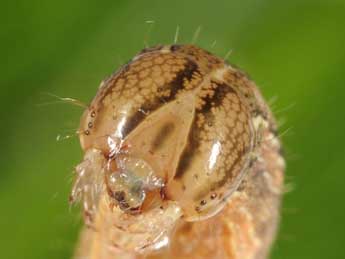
x: 171, y: 125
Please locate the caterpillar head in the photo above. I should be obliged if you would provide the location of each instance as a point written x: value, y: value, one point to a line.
x: 171, y: 129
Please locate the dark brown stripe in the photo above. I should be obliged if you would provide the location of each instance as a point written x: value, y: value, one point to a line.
x: 230, y: 173
x: 215, y: 185
x: 217, y: 98
x: 174, y: 86
x: 178, y: 83
x: 132, y: 123
x: 109, y: 84
x: 189, y: 152
x: 166, y: 130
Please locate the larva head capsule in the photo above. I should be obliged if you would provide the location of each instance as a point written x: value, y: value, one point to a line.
x: 174, y: 124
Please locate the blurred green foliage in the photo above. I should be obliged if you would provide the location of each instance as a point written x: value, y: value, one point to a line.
x: 293, y: 49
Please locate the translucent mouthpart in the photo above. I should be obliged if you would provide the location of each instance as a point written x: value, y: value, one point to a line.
x: 144, y: 232
x: 141, y: 232
x: 89, y: 183
x: 129, y: 183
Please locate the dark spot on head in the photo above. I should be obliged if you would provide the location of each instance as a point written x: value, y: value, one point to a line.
x: 175, y: 47
x: 197, y: 209
x: 213, y: 196
x: 87, y: 132
x: 119, y: 196
x: 90, y: 124
x: 203, y: 202
x: 93, y: 114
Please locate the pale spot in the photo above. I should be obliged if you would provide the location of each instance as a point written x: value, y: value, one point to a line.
x: 219, y: 73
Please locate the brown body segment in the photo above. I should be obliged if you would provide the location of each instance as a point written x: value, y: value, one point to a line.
x: 205, y: 130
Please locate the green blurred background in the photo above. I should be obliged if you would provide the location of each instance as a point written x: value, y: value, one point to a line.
x: 294, y: 50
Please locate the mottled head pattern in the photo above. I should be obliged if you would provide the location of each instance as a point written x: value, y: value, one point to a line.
x: 177, y: 133
x: 181, y: 110
x: 186, y: 114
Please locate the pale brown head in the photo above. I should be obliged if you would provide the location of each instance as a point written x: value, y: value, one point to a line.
x: 173, y: 126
